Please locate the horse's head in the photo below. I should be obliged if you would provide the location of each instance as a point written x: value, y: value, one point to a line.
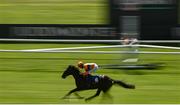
x: 69, y: 71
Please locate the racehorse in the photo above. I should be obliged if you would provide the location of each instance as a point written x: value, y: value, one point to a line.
x: 104, y: 82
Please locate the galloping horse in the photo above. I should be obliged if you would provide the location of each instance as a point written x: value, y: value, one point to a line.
x: 104, y: 83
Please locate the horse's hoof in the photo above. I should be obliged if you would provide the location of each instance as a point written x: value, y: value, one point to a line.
x: 81, y: 97
x: 65, y: 97
x: 86, y: 99
x: 132, y: 86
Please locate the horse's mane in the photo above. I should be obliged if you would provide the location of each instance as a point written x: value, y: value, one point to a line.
x: 74, y: 67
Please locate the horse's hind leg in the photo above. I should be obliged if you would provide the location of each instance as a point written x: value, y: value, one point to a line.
x: 97, y: 94
x: 107, y: 98
x: 106, y: 91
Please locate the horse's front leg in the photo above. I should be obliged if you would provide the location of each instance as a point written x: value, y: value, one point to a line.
x: 77, y: 95
x: 97, y: 94
x: 73, y: 90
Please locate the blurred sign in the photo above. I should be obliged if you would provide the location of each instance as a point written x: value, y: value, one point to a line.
x: 57, y: 31
x: 61, y: 31
x: 146, y: 1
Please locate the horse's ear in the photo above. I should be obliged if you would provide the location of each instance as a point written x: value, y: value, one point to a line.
x: 70, y: 66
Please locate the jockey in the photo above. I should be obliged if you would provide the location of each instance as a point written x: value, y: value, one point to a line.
x: 88, y: 67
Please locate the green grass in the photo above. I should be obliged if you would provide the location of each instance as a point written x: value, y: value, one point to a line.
x: 53, y: 12
x: 30, y: 78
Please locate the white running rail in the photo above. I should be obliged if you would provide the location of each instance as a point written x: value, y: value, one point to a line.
x: 86, y: 41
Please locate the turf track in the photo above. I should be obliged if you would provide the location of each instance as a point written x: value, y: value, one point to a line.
x: 35, y: 77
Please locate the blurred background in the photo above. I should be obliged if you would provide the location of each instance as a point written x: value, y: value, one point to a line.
x: 109, y: 19
x: 54, y: 12
x: 136, y: 41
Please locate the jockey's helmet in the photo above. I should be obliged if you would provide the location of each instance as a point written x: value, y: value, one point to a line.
x: 80, y: 64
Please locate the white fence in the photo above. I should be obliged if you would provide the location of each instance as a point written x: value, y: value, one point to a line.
x: 86, y: 41
x: 79, y: 50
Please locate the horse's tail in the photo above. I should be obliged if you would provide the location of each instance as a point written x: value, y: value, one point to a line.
x: 123, y: 84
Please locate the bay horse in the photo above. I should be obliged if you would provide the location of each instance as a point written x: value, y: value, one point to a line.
x: 104, y: 82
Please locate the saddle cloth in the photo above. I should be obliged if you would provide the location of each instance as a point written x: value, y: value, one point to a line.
x: 94, y: 79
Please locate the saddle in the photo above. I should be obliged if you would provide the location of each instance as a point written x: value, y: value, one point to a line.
x: 90, y: 79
